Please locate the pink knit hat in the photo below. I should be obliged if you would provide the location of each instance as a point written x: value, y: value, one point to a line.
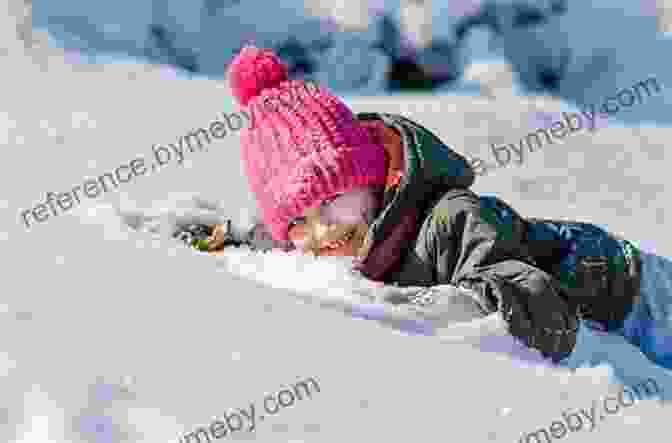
x: 304, y: 144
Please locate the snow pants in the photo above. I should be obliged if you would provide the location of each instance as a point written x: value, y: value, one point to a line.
x: 649, y: 325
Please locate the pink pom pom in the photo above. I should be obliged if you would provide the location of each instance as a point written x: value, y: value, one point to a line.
x: 253, y: 70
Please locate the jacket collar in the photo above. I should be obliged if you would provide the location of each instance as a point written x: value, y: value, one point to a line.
x: 418, y: 168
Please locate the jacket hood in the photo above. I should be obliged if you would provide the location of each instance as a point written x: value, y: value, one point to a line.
x: 430, y: 168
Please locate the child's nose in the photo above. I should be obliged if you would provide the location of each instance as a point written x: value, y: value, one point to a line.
x: 320, y: 228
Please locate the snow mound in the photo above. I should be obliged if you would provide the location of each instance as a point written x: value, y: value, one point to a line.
x: 328, y: 281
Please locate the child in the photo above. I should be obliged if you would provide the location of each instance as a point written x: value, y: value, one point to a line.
x: 385, y: 190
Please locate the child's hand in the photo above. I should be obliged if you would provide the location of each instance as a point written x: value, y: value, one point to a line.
x: 207, y: 238
x: 219, y: 236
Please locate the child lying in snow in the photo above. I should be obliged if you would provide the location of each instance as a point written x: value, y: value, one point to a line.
x: 387, y: 191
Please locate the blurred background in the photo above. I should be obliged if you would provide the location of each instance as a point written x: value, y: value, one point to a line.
x: 351, y: 44
x: 558, y: 47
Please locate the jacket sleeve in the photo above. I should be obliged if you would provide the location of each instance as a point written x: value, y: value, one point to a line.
x: 472, y: 246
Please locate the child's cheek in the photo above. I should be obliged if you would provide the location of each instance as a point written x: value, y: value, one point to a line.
x: 300, y: 244
x: 299, y: 241
x: 346, y: 217
x: 348, y: 211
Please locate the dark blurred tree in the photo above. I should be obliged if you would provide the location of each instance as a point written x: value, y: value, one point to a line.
x: 524, y: 15
x: 301, y: 62
x: 297, y: 57
x: 212, y: 6
x: 164, y: 42
x: 405, y: 72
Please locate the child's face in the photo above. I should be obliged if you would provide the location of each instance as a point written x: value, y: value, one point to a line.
x: 336, y: 226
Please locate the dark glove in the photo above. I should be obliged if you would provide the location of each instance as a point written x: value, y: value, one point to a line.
x: 543, y: 323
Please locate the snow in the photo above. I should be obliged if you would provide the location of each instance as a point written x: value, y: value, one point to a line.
x: 113, y: 333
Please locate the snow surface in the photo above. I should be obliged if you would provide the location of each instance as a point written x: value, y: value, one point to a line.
x: 112, y: 333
